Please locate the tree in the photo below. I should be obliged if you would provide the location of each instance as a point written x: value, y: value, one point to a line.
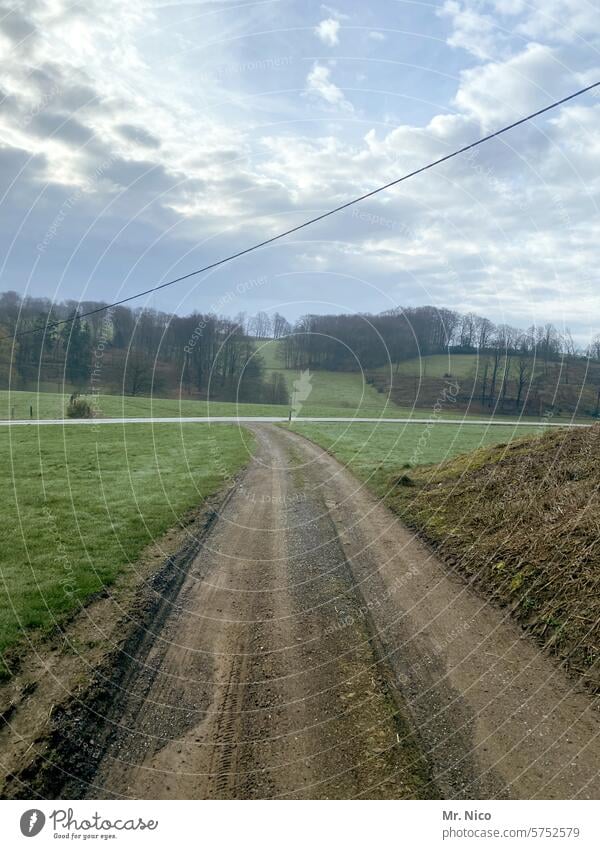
x: 569, y: 352
x: 281, y: 326
x: 524, y: 373
x: 483, y: 329
x: 276, y: 390
x: 138, y: 377
x: 593, y: 350
x: 75, y: 337
x: 260, y: 326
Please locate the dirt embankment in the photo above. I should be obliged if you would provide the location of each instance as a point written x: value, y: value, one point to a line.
x: 522, y: 522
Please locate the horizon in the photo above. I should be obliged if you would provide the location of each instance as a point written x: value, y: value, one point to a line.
x: 141, y: 142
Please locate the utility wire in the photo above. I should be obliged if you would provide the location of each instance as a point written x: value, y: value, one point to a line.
x: 310, y: 221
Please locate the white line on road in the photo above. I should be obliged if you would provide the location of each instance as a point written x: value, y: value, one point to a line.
x: 280, y: 419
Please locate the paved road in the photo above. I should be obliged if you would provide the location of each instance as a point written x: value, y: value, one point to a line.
x: 278, y: 419
x: 316, y: 649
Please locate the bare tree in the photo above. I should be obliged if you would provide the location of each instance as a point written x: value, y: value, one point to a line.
x: 593, y: 349
x: 483, y: 329
x: 569, y: 352
x: 524, y: 372
x: 281, y: 326
x: 260, y: 325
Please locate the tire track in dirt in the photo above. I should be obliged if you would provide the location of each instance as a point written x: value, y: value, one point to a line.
x: 249, y: 692
x: 317, y: 650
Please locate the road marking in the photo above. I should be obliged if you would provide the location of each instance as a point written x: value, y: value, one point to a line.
x: 280, y: 419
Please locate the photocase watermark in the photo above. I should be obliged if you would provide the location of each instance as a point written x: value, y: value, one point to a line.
x: 429, y: 658
x: 267, y: 498
x: 270, y: 63
x: 65, y: 825
x: 348, y: 620
x: 448, y: 395
x: 217, y: 307
x: 385, y: 223
x: 61, y: 555
x: 104, y: 338
x: 32, y: 822
x: 68, y: 205
x: 488, y: 173
x: 45, y: 101
x: 301, y: 389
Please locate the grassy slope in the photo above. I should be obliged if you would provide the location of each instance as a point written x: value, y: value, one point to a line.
x: 438, y: 365
x: 522, y: 523
x: 344, y: 391
x: 80, y: 504
x: 370, y: 449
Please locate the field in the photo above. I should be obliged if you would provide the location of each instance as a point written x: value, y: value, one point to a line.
x: 51, y: 405
x: 326, y: 394
x: 374, y: 451
x: 330, y: 394
x: 80, y: 504
x: 438, y: 365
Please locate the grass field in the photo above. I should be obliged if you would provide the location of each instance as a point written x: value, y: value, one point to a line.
x: 331, y: 395
x: 438, y: 365
x: 79, y: 504
x: 334, y: 394
x: 50, y: 405
x: 373, y: 452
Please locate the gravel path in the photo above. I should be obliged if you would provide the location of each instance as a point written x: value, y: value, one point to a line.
x: 317, y: 650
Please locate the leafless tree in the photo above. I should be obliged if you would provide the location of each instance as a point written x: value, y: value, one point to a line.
x: 281, y: 326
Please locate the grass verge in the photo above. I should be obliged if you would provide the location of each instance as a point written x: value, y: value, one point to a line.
x: 80, y: 505
x: 372, y: 449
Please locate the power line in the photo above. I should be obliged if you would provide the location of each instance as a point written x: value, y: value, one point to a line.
x: 310, y: 221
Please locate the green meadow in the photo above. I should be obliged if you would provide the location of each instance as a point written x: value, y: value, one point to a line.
x: 80, y: 504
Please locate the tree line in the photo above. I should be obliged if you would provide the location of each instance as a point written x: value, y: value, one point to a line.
x: 139, y: 351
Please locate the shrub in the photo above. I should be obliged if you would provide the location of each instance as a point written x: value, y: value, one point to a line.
x: 79, y: 408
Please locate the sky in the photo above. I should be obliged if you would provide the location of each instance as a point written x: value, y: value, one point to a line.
x: 142, y: 140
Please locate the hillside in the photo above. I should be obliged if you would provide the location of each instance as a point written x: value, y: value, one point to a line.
x: 514, y: 385
x: 521, y: 522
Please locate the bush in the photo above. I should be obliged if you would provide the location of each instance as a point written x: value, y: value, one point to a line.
x: 79, y: 408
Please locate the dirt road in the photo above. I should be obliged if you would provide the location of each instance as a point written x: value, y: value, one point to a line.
x: 316, y: 649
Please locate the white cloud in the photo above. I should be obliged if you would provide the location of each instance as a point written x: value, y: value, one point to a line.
x: 515, y: 220
x: 319, y: 83
x: 328, y: 31
x: 555, y: 20
x: 499, y: 91
x: 475, y: 32
x: 492, y: 29
x: 375, y: 35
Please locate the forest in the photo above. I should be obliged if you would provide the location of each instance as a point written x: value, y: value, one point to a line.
x: 145, y: 351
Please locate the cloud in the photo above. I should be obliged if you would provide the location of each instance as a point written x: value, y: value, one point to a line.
x: 319, y: 83
x: 493, y: 29
x: 328, y: 31
x: 139, y: 135
x: 471, y: 30
x: 500, y: 91
x: 108, y: 108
